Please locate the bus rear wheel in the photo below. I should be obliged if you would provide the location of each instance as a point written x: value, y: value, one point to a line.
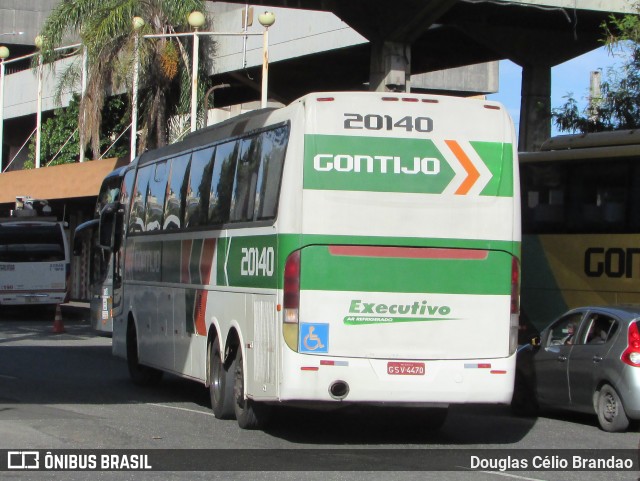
x: 249, y: 414
x: 222, y: 384
x: 140, y: 375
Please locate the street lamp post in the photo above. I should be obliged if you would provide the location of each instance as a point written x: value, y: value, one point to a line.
x: 196, y: 20
x: 138, y: 23
x: 39, y: 42
x: 266, y: 19
x: 83, y: 91
x: 4, y: 54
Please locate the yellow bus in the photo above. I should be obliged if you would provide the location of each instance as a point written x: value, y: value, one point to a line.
x: 580, y: 221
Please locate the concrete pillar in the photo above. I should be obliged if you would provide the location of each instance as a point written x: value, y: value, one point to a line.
x: 390, y: 66
x: 535, y: 107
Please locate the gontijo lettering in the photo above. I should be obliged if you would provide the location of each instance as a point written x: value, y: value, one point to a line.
x: 383, y: 164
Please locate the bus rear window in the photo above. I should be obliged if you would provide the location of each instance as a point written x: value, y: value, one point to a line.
x: 31, y: 244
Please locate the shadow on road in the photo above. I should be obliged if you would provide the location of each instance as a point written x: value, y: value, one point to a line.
x: 77, y: 367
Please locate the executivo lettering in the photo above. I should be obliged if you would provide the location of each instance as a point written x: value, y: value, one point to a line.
x: 378, y: 313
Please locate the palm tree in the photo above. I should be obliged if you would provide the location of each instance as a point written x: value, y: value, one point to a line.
x: 105, y: 29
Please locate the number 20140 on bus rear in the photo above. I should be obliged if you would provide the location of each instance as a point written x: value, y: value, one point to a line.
x: 350, y: 247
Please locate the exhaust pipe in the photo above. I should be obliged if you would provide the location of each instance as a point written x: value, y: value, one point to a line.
x: 339, y: 390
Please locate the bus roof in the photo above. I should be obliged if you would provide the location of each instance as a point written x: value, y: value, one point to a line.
x: 592, y: 146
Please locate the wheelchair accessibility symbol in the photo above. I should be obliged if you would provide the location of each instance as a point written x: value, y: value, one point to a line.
x: 314, y: 337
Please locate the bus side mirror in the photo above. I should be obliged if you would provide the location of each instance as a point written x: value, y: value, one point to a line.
x: 82, y: 235
x: 107, y: 228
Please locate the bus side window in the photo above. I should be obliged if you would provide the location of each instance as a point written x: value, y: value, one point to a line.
x: 174, y: 197
x: 137, y: 216
x: 125, y: 195
x: 155, y: 196
x: 199, y: 186
x: 222, y: 181
x: 274, y: 146
x: 244, y: 186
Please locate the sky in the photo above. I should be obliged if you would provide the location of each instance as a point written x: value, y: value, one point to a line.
x: 571, y: 77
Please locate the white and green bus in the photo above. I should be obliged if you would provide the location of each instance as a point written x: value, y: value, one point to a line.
x: 348, y: 248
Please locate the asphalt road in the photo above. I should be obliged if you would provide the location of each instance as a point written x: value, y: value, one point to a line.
x: 66, y: 391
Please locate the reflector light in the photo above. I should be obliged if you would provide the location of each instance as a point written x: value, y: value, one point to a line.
x: 325, y: 99
x: 430, y: 101
x: 410, y: 99
x: 497, y: 371
x: 390, y: 99
x: 309, y: 368
x: 492, y: 107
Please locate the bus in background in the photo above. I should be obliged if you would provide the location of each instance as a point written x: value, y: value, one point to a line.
x: 348, y: 248
x: 104, y: 265
x: 581, y: 242
x: 34, y: 256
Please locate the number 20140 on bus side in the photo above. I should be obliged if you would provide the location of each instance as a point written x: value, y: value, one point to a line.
x: 257, y: 262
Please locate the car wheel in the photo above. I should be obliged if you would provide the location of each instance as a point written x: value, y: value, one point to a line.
x: 221, y: 387
x: 249, y: 414
x: 610, y: 410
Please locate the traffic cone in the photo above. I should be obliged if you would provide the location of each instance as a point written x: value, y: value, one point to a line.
x: 58, y: 325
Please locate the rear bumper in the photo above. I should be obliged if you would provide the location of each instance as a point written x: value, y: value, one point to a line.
x: 306, y: 378
x: 32, y: 298
x: 628, y: 387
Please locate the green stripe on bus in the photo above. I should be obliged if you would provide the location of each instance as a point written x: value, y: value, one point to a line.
x: 249, y: 263
x: 323, y: 271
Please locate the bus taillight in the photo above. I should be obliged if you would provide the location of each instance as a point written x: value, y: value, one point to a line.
x: 515, y: 286
x: 631, y: 354
x: 291, y: 300
x: 515, y: 306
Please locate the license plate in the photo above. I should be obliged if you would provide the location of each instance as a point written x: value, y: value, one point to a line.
x: 405, y: 368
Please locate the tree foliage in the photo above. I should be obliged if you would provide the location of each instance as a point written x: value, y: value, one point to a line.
x: 618, y: 106
x: 105, y: 28
x: 60, y: 137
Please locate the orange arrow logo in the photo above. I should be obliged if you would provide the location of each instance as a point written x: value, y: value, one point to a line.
x: 472, y: 173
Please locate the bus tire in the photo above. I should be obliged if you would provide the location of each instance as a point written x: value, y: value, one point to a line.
x: 524, y: 402
x: 140, y: 375
x: 249, y: 413
x: 222, y: 384
x: 611, y: 414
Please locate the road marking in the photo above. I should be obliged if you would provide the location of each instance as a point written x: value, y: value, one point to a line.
x: 7, y: 377
x: 181, y: 409
x: 506, y: 475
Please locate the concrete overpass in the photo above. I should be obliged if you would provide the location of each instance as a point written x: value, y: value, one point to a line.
x: 415, y: 36
x: 360, y: 44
